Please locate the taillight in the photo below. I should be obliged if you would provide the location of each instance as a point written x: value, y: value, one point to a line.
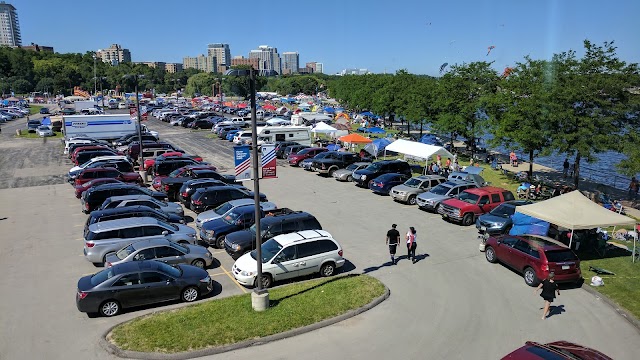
x: 197, y: 202
x: 184, y: 194
x: 166, y: 188
x: 545, y: 267
x: 90, y: 245
x: 82, y: 294
x: 340, y: 252
x: 86, y: 205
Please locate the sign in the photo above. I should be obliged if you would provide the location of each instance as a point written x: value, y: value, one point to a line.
x: 134, y: 113
x: 242, y: 161
x: 268, y: 161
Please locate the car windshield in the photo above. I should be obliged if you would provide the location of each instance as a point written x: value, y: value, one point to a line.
x: 503, y: 210
x: 303, y: 151
x: 440, y: 190
x: 175, y: 172
x: 414, y: 183
x: 352, y: 167
x: 182, y: 248
x: 222, y: 209
x: 125, y: 251
x: 231, y: 216
x: 269, y: 250
x: 102, y: 276
x: 373, y: 167
x: 168, y: 269
x: 171, y: 226
x: 468, y: 197
x: 554, y: 256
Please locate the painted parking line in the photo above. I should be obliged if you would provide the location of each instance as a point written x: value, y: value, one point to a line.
x: 79, y: 225
x: 79, y: 239
x: 233, y: 279
x: 218, y: 274
x: 219, y: 252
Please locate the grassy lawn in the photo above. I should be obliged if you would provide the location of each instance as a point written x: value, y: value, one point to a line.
x: 624, y: 287
x: 27, y: 135
x: 34, y: 109
x: 231, y: 320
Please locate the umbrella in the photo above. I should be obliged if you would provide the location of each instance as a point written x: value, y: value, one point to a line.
x: 355, y: 139
x: 268, y: 107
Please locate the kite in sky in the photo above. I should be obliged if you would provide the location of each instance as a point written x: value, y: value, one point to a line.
x: 490, y: 48
x: 442, y: 67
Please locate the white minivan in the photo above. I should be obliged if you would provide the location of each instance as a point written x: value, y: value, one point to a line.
x: 291, y: 255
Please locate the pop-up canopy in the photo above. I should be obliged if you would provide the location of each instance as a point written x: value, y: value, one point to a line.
x: 417, y: 149
x: 323, y: 128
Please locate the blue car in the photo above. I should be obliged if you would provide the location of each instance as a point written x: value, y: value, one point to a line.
x: 383, y: 183
x: 236, y: 219
x: 231, y: 134
x: 44, y: 110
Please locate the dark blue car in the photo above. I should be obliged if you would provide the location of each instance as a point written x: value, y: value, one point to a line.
x: 383, y: 183
x: 231, y: 134
x: 236, y: 219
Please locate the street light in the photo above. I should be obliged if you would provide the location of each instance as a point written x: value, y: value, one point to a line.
x: 135, y: 83
x: 260, y: 296
x: 95, y: 79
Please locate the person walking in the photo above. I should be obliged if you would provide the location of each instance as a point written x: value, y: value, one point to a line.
x: 393, y: 238
x: 572, y: 169
x: 549, y: 290
x: 411, y: 244
x: 565, y: 168
x: 633, y: 189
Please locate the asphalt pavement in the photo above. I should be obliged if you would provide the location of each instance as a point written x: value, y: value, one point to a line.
x: 452, y: 304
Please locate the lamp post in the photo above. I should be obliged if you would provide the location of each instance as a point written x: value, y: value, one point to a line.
x: 102, y: 79
x: 95, y: 78
x: 135, y: 84
x: 260, y: 296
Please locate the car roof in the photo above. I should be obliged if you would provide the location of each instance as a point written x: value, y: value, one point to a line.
x: 286, y: 239
x: 113, y: 186
x: 240, y: 202
x: 150, y: 243
x: 122, y: 223
x: 428, y: 177
x: 130, y: 197
x: 455, y: 183
x: 486, y: 189
x: 217, y: 188
x: 124, y: 210
x: 279, y: 217
x: 133, y: 266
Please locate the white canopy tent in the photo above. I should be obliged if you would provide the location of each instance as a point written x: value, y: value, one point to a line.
x: 575, y: 211
x: 323, y: 128
x: 417, y: 149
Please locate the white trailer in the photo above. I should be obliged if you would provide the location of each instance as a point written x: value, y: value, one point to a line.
x: 85, y: 104
x: 101, y: 127
x: 271, y: 134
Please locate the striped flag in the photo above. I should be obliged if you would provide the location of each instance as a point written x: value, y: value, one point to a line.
x: 242, y: 160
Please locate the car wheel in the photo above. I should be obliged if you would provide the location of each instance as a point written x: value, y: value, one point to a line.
x: 109, y: 308
x: 327, y: 270
x: 530, y: 277
x: 435, y: 209
x: 467, y: 220
x: 412, y: 200
x: 266, y: 281
x: 331, y: 171
x: 190, y: 294
x: 350, y: 178
x: 220, y: 242
x: 198, y: 263
x: 490, y: 254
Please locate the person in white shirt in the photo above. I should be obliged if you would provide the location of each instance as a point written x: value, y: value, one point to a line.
x: 411, y: 244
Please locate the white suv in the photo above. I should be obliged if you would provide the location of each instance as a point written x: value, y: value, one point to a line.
x: 291, y: 255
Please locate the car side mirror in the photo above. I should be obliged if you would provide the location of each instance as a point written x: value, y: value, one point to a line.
x: 275, y: 261
x: 165, y: 233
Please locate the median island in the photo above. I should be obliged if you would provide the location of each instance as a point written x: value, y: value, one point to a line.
x: 231, y: 320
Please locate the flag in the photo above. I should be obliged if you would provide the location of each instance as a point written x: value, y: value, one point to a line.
x: 268, y: 162
x: 242, y: 161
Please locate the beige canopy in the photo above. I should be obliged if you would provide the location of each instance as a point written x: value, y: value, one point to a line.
x: 574, y: 211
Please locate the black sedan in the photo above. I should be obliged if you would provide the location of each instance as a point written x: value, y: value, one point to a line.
x: 139, y: 283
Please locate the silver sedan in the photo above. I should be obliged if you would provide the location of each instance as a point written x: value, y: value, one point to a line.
x: 162, y: 250
x: 347, y: 173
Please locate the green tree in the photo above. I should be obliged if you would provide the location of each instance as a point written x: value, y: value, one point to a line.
x: 200, y: 83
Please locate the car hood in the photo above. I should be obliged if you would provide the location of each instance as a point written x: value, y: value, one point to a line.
x: 192, y: 272
x: 242, y: 237
x: 218, y: 225
x: 84, y: 283
x: 184, y: 229
x: 197, y: 249
x: 341, y: 172
x: 206, y: 216
x: 431, y: 196
x: 405, y: 188
x: 75, y: 170
x: 112, y: 258
x: 492, y: 219
x: 130, y: 175
x: 174, y: 218
x: 458, y: 204
x: 246, y: 263
x: 174, y: 207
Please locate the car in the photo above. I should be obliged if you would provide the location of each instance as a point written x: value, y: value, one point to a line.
x: 333, y: 161
x: 217, y: 213
x: 173, y: 185
x: 123, y: 105
x: 346, y: 174
x: 145, y: 200
x: 133, y: 150
x: 201, y: 124
x: 241, y: 242
x: 80, y: 189
x: 107, y: 172
x: 185, y: 171
x: 129, y: 138
x: 307, y: 164
x: 44, y: 131
x: 96, y: 195
x: 85, y: 156
x: 33, y: 125
x: 97, y: 162
x: 138, y: 283
x: 162, y: 250
x: 470, y: 174
x: 230, y: 134
x: 107, y: 236
x: 430, y: 200
x: 472, y: 203
x: 211, y: 197
x: 289, y: 256
x: 557, y: 350
x: 166, y: 166
x: 68, y: 111
x: 44, y: 110
x: 292, y: 149
x: 363, y: 176
x: 77, y: 150
x: 130, y: 212
x: 535, y: 257
x: 170, y: 154
x: 295, y: 158
x: 188, y: 188
x: 498, y: 221
x: 281, y: 146
x: 383, y: 183
x: 409, y: 191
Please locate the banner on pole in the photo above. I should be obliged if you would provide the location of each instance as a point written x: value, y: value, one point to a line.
x: 134, y: 113
x: 268, y: 162
x: 242, y: 160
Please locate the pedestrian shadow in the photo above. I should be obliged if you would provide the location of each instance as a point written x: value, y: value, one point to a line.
x: 398, y: 259
x: 555, y: 310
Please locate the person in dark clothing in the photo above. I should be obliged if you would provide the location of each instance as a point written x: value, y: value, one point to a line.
x: 393, y: 238
x: 549, y: 290
x: 565, y: 168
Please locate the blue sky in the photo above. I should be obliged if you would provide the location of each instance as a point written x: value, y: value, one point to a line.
x: 378, y: 35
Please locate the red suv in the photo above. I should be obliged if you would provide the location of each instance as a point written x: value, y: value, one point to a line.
x: 535, y: 257
x: 295, y: 159
x: 89, y: 174
x: 472, y: 203
x: 555, y: 350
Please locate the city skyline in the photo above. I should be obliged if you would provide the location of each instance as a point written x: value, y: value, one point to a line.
x: 411, y: 35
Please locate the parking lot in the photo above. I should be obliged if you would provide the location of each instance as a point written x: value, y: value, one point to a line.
x: 451, y: 304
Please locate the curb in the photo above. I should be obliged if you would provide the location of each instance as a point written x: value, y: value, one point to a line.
x: 114, y: 350
x: 622, y: 312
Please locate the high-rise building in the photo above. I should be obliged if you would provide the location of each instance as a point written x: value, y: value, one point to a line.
x: 290, y: 63
x: 207, y: 63
x: 311, y: 65
x: 9, y: 26
x: 114, y: 55
x: 241, y: 60
x: 172, y: 67
x: 320, y: 68
x: 221, y: 52
x: 269, y: 60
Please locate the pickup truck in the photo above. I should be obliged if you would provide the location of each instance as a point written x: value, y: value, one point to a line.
x: 172, y: 185
x: 333, y: 162
x: 472, y: 203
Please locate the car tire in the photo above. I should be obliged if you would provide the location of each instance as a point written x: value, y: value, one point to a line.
x: 412, y: 200
x: 199, y: 263
x: 220, y: 242
x: 109, y: 308
x: 190, y: 294
x: 327, y: 270
x: 490, y: 255
x: 267, y: 281
x: 350, y: 178
x: 467, y: 219
x: 331, y: 171
x: 530, y: 277
x: 435, y: 209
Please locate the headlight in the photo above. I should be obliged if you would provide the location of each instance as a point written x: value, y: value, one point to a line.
x: 246, y: 273
x: 209, y: 232
x: 206, y: 280
x: 363, y: 177
x: 193, y: 235
x: 402, y: 193
x: 236, y: 247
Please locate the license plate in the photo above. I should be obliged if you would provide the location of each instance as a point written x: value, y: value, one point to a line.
x: 565, y: 267
x: 483, y: 228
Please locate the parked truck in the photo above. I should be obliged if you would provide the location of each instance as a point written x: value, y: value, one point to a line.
x: 85, y: 105
x: 100, y: 127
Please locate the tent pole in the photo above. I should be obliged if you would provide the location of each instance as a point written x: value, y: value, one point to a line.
x: 571, y: 239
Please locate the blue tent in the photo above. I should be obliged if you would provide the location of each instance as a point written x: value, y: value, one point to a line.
x: 376, y: 148
x: 329, y: 109
x: 333, y: 147
x: 430, y: 139
x: 46, y: 121
x: 525, y: 224
x: 372, y: 130
x: 367, y: 113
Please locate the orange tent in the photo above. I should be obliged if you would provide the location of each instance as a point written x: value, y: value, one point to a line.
x: 355, y: 139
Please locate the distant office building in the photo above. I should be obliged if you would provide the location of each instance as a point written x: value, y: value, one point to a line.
x: 153, y: 64
x: 241, y: 60
x: 319, y: 68
x: 353, y: 72
x: 9, y: 26
x: 221, y: 52
x: 311, y: 65
x: 269, y: 60
x: 38, y: 48
x: 172, y: 67
x: 114, y: 55
x: 290, y: 62
x: 206, y: 63
x: 305, y: 70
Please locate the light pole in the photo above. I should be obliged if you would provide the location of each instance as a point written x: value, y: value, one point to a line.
x: 260, y: 296
x: 95, y: 78
x: 102, y: 79
x: 135, y: 83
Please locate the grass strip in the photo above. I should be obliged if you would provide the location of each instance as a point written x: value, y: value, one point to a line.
x: 232, y: 320
x: 27, y: 135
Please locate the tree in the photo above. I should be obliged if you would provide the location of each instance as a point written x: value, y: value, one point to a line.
x: 200, y: 83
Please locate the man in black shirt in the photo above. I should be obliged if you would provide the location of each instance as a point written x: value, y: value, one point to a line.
x: 393, y: 238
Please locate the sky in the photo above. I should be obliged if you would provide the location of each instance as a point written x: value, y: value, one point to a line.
x: 381, y: 36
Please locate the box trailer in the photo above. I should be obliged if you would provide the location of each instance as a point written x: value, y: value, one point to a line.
x: 101, y: 127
